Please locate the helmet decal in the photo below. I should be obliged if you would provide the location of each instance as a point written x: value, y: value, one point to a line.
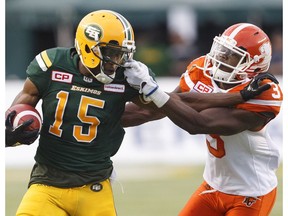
x: 266, y: 49
x: 93, y: 32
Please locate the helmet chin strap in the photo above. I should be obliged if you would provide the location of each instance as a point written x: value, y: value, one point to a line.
x: 104, y: 78
x: 101, y: 77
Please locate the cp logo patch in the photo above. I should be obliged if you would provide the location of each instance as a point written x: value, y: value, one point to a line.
x: 203, y: 88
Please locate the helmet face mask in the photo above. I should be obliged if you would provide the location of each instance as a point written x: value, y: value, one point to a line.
x: 228, y: 61
x: 104, y: 37
x: 111, y: 53
x: 241, y: 52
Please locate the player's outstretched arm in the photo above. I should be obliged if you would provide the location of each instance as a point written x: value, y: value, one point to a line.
x: 218, y: 120
x: 138, y: 76
x: 200, y: 101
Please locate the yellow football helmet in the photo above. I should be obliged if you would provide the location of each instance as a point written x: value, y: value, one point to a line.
x: 99, y: 36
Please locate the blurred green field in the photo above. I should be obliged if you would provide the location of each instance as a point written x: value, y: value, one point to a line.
x: 150, y: 190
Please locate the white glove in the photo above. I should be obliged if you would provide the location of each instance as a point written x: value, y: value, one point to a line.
x: 136, y: 73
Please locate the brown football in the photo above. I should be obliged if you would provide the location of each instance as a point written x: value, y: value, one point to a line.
x: 25, y: 112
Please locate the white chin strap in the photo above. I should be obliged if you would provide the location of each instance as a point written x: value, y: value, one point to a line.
x: 104, y: 78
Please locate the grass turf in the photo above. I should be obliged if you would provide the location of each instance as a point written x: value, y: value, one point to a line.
x: 146, y: 190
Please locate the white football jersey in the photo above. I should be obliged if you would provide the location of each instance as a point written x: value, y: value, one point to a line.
x: 247, y: 166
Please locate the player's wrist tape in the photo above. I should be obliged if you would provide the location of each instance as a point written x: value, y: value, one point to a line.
x: 151, y: 90
x: 159, y: 97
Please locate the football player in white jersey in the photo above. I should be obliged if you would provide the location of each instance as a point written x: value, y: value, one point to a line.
x: 239, y: 175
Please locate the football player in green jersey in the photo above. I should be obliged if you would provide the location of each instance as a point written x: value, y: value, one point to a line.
x: 83, y: 92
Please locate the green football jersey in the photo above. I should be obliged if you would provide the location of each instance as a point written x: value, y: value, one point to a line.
x: 81, y: 116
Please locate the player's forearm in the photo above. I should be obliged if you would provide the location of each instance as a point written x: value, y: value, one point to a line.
x: 183, y: 115
x: 209, y: 121
x: 135, y: 115
x: 200, y: 101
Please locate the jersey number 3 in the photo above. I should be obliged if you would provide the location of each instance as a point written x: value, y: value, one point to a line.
x: 92, y: 121
x: 215, y: 145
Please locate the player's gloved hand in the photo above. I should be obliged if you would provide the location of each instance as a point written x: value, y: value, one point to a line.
x: 17, y: 136
x: 254, y: 88
x: 136, y: 72
x: 137, y: 75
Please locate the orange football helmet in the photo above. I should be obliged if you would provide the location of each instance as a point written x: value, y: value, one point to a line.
x: 242, y: 51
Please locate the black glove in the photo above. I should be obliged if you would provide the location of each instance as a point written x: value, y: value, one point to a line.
x: 17, y: 136
x: 253, y: 89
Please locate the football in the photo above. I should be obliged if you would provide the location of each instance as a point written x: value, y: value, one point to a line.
x: 25, y: 112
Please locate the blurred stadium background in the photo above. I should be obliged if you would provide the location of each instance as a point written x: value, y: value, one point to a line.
x: 158, y: 165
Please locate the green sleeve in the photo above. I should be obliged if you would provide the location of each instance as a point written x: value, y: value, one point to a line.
x: 39, y: 70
